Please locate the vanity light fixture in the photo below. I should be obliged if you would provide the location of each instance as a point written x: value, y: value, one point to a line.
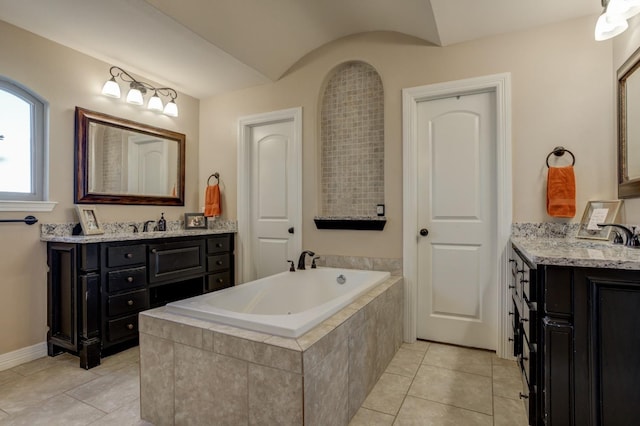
x: 137, y: 90
x: 613, y: 20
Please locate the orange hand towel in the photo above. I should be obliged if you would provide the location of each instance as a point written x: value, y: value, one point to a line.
x: 212, y: 205
x: 561, y: 192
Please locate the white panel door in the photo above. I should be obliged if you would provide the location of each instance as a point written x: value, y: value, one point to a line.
x: 148, y: 172
x: 273, y: 197
x: 457, y: 282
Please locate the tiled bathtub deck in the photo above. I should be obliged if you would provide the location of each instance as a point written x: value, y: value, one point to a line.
x: 425, y: 384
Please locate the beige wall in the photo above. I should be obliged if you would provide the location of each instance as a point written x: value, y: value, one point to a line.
x: 562, y: 94
x: 66, y: 79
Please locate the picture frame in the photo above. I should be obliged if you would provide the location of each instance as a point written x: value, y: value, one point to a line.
x: 195, y: 221
x: 598, y: 212
x: 89, y: 220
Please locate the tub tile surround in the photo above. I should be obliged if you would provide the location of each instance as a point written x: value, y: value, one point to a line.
x: 236, y: 376
x: 392, y: 265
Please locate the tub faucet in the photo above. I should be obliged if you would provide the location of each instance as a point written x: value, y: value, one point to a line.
x: 301, y: 259
x: 631, y: 238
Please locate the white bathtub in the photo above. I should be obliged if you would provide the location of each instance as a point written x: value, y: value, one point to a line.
x: 287, y: 304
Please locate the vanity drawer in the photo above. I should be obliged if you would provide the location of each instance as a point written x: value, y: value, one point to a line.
x: 219, y: 281
x: 122, y: 328
x: 527, y: 358
x: 558, y: 291
x: 219, y: 244
x: 218, y: 263
x: 126, y: 255
x: 127, y: 303
x: 126, y: 279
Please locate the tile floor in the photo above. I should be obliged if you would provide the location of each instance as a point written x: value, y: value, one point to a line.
x: 425, y: 384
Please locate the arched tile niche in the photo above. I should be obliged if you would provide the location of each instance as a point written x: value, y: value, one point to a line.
x: 352, y: 149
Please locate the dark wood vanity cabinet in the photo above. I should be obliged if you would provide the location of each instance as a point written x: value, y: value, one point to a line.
x: 96, y: 290
x: 588, y: 363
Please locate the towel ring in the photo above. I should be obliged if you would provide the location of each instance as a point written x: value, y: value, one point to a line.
x: 215, y: 175
x: 559, y: 151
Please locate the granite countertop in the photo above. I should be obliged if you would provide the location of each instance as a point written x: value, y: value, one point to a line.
x: 130, y: 236
x: 571, y: 251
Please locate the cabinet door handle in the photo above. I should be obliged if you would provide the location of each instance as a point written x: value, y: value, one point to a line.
x: 129, y: 255
x: 523, y: 320
x: 510, y: 313
x: 219, y: 245
x: 130, y: 302
x: 220, y: 280
x: 219, y: 262
x: 523, y: 281
x: 129, y: 279
x: 130, y: 326
x: 154, y: 251
x: 512, y: 286
x: 523, y: 396
x: 510, y: 339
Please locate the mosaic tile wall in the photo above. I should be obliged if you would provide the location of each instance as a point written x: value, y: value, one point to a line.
x: 352, y: 137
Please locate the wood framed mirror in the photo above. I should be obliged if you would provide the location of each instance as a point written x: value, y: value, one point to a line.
x: 629, y: 127
x: 119, y: 161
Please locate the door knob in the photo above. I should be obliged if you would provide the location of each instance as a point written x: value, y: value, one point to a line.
x: 424, y: 232
x: 290, y: 230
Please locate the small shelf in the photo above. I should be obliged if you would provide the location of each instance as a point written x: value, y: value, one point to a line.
x: 353, y: 223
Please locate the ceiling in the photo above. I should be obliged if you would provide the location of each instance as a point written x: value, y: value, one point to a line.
x: 206, y: 47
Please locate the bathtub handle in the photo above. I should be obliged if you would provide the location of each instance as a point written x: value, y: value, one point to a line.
x: 292, y: 268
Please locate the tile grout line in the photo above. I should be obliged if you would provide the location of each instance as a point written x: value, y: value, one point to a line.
x: 411, y: 384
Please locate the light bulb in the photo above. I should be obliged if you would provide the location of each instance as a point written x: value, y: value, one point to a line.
x: 135, y: 97
x: 609, y: 26
x: 111, y: 88
x: 171, y: 109
x: 624, y: 9
x: 155, y: 103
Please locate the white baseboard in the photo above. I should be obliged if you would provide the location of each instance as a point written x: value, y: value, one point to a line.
x: 20, y: 356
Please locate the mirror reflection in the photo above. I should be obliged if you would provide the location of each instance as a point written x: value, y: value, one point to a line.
x: 122, y: 162
x: 126, y: 162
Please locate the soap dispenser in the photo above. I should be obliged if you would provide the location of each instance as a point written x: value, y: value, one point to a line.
x: 162, y: 224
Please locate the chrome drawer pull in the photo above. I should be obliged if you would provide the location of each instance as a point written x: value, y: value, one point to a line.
x: 219, y: 245
x: 130, y: 326
x: 129, y: 279
x: 129, y: 255
x: 219, y: 262
x: 130, y: 302
x: 220, y: 280
x: 154, y: 251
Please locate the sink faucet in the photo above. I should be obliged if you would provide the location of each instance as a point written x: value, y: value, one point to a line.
x: 301, y: 259
x: 145, y: 227
x: 631, y: 239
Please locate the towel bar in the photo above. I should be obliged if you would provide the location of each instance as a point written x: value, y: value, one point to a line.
x: 29, y: 220
x: 559, y: 151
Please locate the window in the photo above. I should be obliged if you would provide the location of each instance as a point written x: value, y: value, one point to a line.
x: 23, y: 144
